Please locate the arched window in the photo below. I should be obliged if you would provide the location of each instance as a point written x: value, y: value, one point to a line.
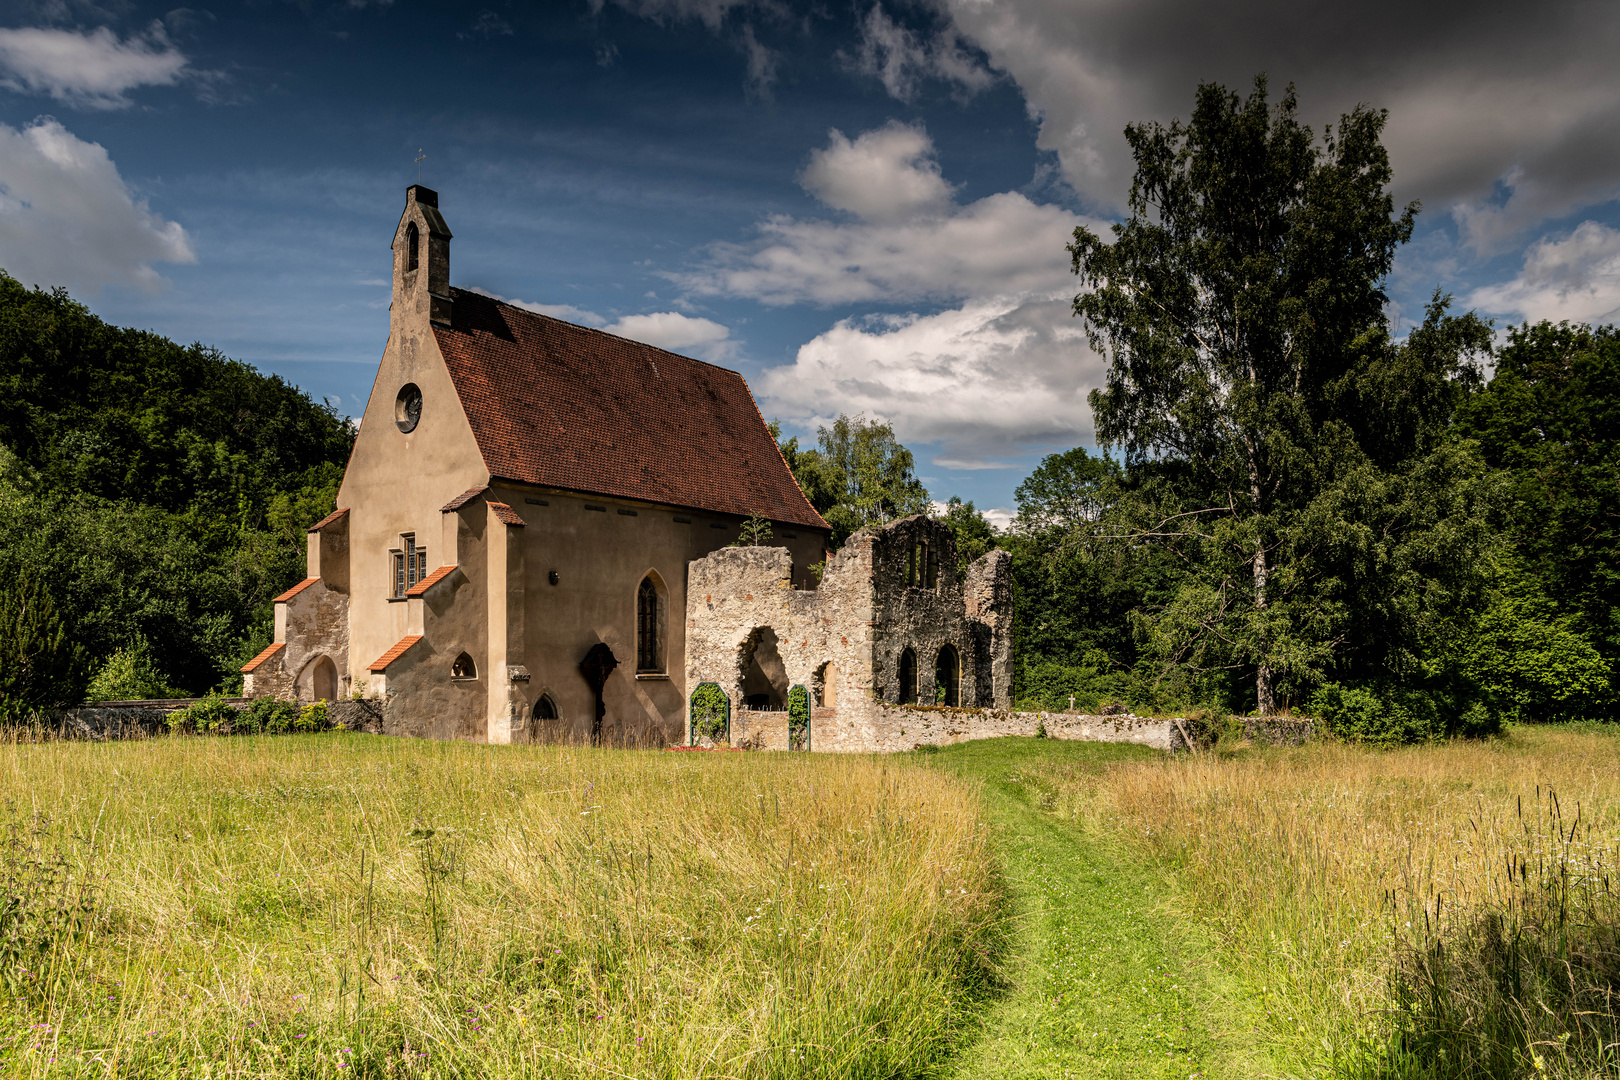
x: 948, y: 677
x: 908, y: 677
x: 463, y: 668
x: 410, y: 246
x: 648, y: 658
x: 545, y: 708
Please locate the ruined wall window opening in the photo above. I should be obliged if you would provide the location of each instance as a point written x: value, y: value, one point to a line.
x: 411, y: 244
x: 824, y: 686
x: 948, y: 677
x: 463, y: 668
x: 911, y: 566
x: 930, y: 567
x: 649, y: 628
x: 908, y: 677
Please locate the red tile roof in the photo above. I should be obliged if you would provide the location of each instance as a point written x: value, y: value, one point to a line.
x: 328, y: 519
x: 270, y: 650
x: 505, y: 514
x: 558, y: 405
x: 382, y: 662
x: 296, y: 589
x: 462, y: 500
x: 431, y: 580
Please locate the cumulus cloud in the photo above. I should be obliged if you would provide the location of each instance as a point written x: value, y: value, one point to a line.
x: 883, y: 175
x: 901, y: 58
x: 87, y: 69
x: 565, y: 312
x: 1474, y: 92
x: 991, y: 378
x: 678, y: 333
x: 911, y: 243
x: 68, y: 218
x: 1575, y: 277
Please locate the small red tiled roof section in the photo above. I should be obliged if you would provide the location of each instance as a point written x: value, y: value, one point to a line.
x: 557, y: 405
x: 506, y: 515
x: 381, y: 663
x: 328, y: 519
x: 462, y: 500
x: 270, y: 650
x: 431, y: 580
x: 296, y: 589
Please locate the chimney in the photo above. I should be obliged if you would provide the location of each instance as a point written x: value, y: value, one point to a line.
x: 422, y: 257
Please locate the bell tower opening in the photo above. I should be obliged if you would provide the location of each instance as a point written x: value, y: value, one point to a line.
x: 422, y: 258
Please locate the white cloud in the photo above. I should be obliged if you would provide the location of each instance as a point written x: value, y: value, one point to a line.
x: 91, y: 70
x: 987, y: 379
x: 678, y: 333
x: 565, y: 312
x: 887, y: 174
x: 900, y: 58
x: 1000, y: 518
x: 914, y: 244
x: 68, y: 218
x: 1576, y: 278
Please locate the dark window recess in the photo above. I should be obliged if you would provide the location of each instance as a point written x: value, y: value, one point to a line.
x: 683, y: 521
x: 647, y: 626
x: 603, y: 509
x: 715, y: 525
x: 537, y: 502
x: 627, y: 513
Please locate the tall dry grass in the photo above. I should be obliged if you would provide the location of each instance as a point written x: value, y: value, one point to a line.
x: 1336, y: 877
x: 340, y: 905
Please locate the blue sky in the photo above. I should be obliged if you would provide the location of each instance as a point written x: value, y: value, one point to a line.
x: 861, y: 206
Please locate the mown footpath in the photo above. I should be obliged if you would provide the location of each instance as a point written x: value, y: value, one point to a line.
x: 1105, y: 980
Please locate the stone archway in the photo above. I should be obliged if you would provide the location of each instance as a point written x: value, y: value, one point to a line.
x: 318, y: 681
x: 761, y: 675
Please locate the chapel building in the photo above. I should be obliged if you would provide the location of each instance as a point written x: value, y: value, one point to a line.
x: 508, y: 562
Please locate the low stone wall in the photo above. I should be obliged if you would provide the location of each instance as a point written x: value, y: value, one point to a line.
x: 889, y: 728
x: 1279, y: 730
x: 110, y: 720
x: 759, y: 730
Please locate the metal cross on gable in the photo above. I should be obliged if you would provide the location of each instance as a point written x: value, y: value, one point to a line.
x: 419, y: 158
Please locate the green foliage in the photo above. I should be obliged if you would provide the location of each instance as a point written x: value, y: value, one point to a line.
x: 1278, y: 443
x: 162, y: 491
x: 1532, y: 665
x: 130, y: 675
x: 209, y: 715
x: 269, y: 715
x: 973, y: 532
x: 1550, y: 422
x: 754, y: 532
x: 41, y: 666
x: 312, y: 717
x: 711, y: 712
x: 858, y: 475
x: 798, y: 707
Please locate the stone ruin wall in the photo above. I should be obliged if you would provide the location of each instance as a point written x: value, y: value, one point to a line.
x: 860, y: 620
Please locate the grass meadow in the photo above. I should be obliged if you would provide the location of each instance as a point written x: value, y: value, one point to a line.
x: 342, y: 905
x: 1437, y: 911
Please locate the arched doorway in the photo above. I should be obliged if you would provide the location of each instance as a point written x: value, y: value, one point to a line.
x: 908, y: 677
x: 948, y: 677
x: 319, y: 680
x: 761, y: 672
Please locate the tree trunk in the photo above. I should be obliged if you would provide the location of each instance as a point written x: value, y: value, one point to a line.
x: 1262, y: 676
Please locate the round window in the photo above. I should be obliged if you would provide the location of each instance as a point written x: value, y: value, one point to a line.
x: 408, y: 407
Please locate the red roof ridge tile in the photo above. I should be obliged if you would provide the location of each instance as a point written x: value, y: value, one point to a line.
x: 381, y: 663
x: 462, y: 500
x: 505, y: 514
x: 295, y: 590
x: 328, y: 519
x: 421, y: 587
x: 269, y: 651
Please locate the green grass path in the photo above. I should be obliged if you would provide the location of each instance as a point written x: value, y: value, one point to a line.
x: 1105, y: 982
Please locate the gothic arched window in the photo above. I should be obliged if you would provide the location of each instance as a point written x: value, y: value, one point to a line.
x: 647, y: 643
x: 463, y: 668
x: 410, y: 246
x: 908, y: 677
x: 545, y: 708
